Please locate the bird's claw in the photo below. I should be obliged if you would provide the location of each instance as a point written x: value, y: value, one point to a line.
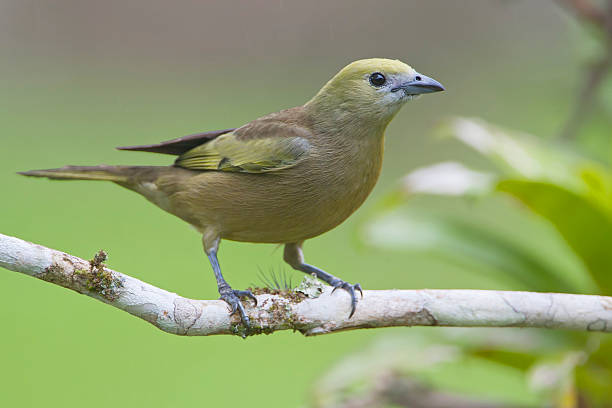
x: 232, y: 298
x: 358, y: 287
x: 246, y: 294
x: 351, y: 290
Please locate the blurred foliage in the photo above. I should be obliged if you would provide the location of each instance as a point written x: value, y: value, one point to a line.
x: 386, y: 375
x: 571, y: 192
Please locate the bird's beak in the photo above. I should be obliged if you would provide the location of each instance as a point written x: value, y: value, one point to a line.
x: 421, y: 84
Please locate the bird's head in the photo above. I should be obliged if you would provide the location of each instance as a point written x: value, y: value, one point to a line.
x: 373, y: 89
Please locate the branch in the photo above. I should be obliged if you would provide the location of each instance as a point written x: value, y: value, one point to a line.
x: 312, y: 314
x: 586, y: 99
x: 600, y: 17
x: 588, y: 11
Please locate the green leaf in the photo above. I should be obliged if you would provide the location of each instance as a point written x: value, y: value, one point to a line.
x: 606, y: 94
x: 520, y: 360
x: 585, y: 225
x: 598, y: 183
x: 595, y: 376
x: 519, y: 155
x: 478, y: 247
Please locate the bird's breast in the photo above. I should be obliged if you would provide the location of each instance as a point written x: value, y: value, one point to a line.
x: 325, y: 190
x: 348, y: 182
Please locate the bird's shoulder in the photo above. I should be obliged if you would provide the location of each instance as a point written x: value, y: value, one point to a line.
x: 287, y: 123
x: 273, y: 142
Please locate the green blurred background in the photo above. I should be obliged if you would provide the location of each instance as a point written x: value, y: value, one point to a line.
x: 78, y: 78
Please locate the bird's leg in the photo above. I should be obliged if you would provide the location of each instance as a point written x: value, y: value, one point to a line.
x: 294, y: 256
x: 229, y: 295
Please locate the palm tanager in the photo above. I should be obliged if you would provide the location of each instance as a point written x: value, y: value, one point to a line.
x: 283, y: 178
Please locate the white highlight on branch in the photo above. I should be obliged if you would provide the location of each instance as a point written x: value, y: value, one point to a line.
x: 311, y: 316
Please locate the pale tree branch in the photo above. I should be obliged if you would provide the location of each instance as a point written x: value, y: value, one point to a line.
x: 311, y: 314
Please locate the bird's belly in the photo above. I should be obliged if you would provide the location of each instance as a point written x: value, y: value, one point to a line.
x: 272, y: 208
x: 289, y: 219
x: 287, y: 222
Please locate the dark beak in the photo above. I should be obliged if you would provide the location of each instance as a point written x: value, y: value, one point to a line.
x: 420, y: 85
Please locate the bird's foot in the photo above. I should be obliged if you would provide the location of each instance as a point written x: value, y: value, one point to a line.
x: 232, y: 298
x: 351, y: 290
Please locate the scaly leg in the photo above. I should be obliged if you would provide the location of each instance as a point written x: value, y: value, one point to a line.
x: 229, y: 295
x: 294, y: 256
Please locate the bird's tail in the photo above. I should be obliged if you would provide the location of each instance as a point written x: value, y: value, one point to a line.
x: 118, y: 174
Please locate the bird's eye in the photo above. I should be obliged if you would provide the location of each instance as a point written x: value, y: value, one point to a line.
x: 418, y: 78
x: 377, y: 79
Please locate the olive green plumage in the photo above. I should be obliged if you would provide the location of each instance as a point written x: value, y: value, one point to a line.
x: 282, y: 178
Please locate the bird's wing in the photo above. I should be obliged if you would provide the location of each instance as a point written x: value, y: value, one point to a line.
x: 179, y: 146
x: 259, y: 147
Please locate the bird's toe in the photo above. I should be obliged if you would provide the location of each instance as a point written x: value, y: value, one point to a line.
x: 246, y: 294
x: 351, y: 290
x: 232, y: 298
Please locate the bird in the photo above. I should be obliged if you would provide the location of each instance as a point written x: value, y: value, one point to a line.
x: 283, y: 178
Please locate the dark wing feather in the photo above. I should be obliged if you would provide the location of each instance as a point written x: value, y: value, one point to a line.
x: 179, y: 146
